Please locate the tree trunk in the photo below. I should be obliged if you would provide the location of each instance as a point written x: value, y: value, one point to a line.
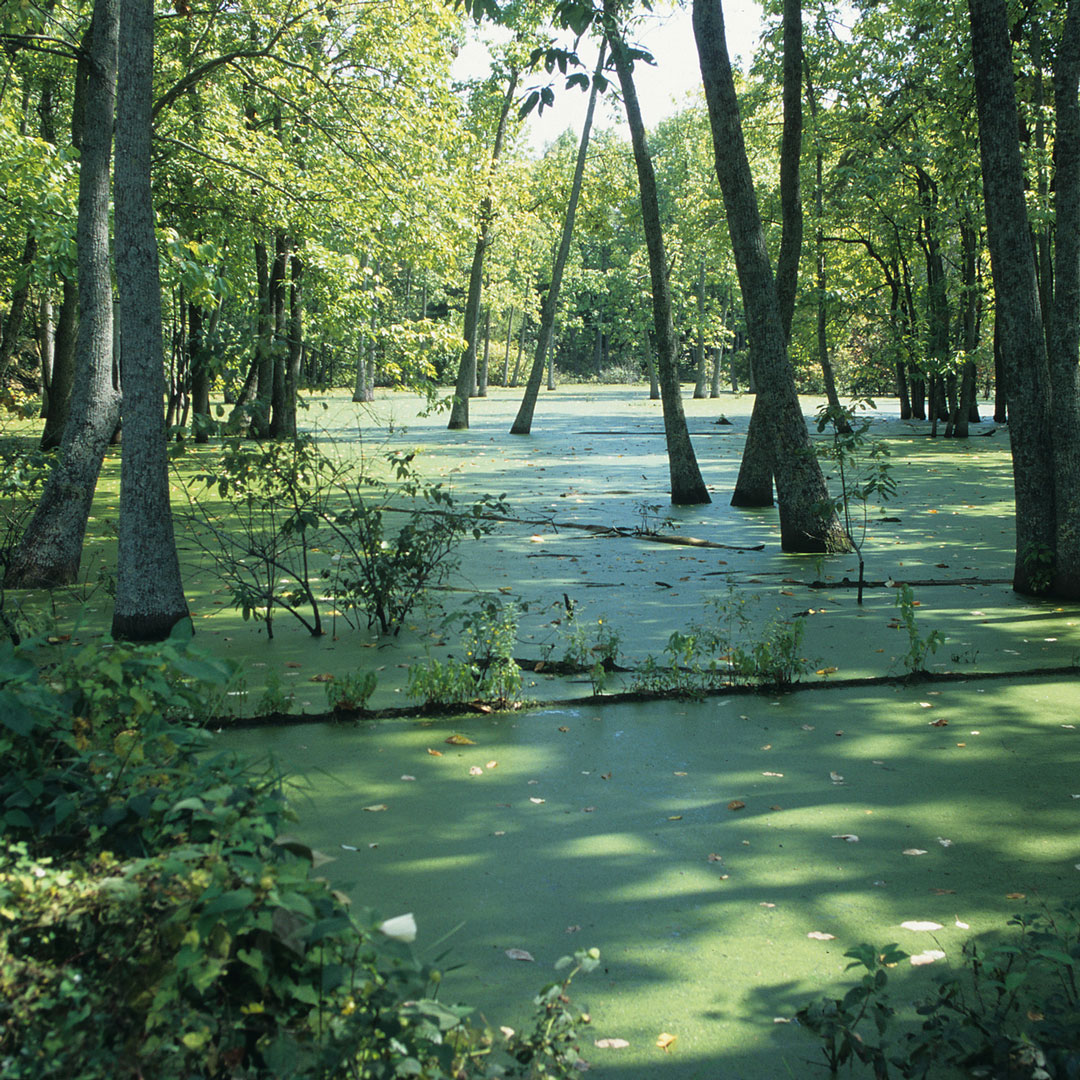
x: 45, y: 332
x: 506, y: 354
x: 523, y: 421
x: 466, y: 379
x: 801, y: 490
x: 482, y: 378
x: 296, y: 342
x: 1019, y: 319
x: 13, y: 322
x: 63, y: 372
x: 701, y: 371
x: 687, y: 486
x: 199, y: 365
x: 51, y: 548
x: 149, y: 593
x: 1065, y: 327
x: 279, y: 418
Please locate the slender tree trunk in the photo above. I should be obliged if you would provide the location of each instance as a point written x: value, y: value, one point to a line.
x: 13, y: 322
x: 51, y: 548
x: 252, y: 410
x: 804, y: 525
x: 701, y: 371
x: 482, y: 378
x: 45, y: 332
x: 466, y: 380
x: 687, y: 485
x: 293, y: 364
x: 199, y: 365
x: 149, y: 593
x: 279, y: 410
x: 1018, y: 315
x: 506, y: 353
x: 650, y: 363
x: 63, y: 373
x: 523, y: 421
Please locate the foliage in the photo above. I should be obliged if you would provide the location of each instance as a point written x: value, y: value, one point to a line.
x: 384, y: 572
x: 919, y: 646
x: 1011, y: 1010
x: 294, y: 517
x: 591, y: 647
x: 847, y: 448
x: 841, y: 1024
x: 156, y: 921
x: 487, y: 671
x: 721, y: 651
x: 276, y: 494
x: 23, y: 472
x: 350, y: 692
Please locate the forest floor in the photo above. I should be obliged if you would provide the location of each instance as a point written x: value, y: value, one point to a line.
x: 696, y: 843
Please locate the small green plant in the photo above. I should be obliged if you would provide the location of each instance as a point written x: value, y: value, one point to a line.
x: 720, y: 651
x: 1011, y: 1009
x: 1038, y: 562
x: 863, y: 469
x: 23, y: 472
x: 652, y: 520
x: 551, y: 1049
x: 275, y: 698
x: 919, y: 646
x: 846, y: 1027
x: 487, y: 671
x: 592, y: 647
x: 350, y: 693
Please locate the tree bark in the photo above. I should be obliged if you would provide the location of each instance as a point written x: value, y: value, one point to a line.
x: 149, y: 593
x: 523, y: 421
x: 801, y: 490
x: 687, y: 486
x: 51, y: 548
x: 466, y: 379
x: 279, y: 419
x: 1018, y: 315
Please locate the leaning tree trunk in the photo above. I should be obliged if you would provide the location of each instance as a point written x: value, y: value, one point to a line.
x: 523, y: 421
x: 58, y: 407
x: 51, y: 548
x: 149, y: 593
x: 466, y: 379
x: 804, y: 525
x: 1016, y: 296
x: 687, y: 486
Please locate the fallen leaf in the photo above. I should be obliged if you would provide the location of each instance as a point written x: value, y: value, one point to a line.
x: 1035, y: 1016
x: 475, y: 770
x: 765, y: 903
x: 373, y: 846
x: 460, y: 740
x: 325, y: 676
x: 939, y: 722
x: 519, y: 954
x: 680, y: 774
x: 675, y: 817
x: 818, y: 935
x: 914, y: 851
x: 776, y: 808
x: 606, y: 776
x: 836, y: 778
x: 536, y: 800
x: 293, y: 664
x: 943, y: 892
x: 772, y: 774
x: 573, y: 929
x: 1015, y: 896
x: 827, y: 671
x: 492, y: 765
x: 611, y: 1044
x: 564, y: 729
x: 349, y: 847
x: 736, y: 804
x: 435, y: 753
x: 851, y: 838
x: 499, y: 832
x: 943, y: 842
x: 962, y: 925
x: 588, y: 809
x: 928, y: 957
x: 808, y: 727
x: 926, y: 704
x: 376, y: 807
x: 922, y: 926
x: 664, y: 1041
x: 406, y: 776
x: 507, y: 1031
x: 713, y: 857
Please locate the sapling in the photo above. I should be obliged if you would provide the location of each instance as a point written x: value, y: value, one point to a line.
x: 863, y: 467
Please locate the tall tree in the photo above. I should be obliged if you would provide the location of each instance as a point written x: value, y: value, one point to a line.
x: 687, y: 486
x: 51, y: 548
x: 805, y: 526
x: 466, y: 378
x: 523, y: 421
x: 1047, y: 559
x: 149, y: 594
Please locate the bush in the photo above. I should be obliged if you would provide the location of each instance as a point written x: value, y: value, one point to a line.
x: 156, y: 922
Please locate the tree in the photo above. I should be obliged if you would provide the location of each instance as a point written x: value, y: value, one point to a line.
x: 687, y: 485
x: 149, y: 594
x: 523, y: 421
x: 466, y: 378
x: 807, y: 524
x: 1044, y: 406
x: 50, y: 550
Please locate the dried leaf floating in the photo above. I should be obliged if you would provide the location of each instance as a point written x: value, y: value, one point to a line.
x: 519, y: 954
x: 611, y: 1044
x: 818, y: 935
x: 460, y: 740
x: 665, y: 1041
x: 922, y: 926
